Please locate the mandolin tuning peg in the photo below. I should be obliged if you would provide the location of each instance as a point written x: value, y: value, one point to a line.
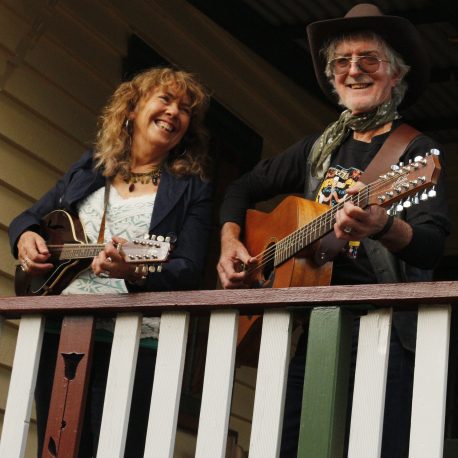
x: 395, y: 168
x: 159, y: 268
x: 151, y: 269
x: 146, y: 236
x: 153, y: 237
x: 434, y: 152
x: 160, y: 238
x: 416, y: 199
x: 418, y: 158
x: 432, y: 192
x: 424, y: 196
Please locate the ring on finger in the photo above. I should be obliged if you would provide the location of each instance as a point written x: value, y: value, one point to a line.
x: 347, y: 229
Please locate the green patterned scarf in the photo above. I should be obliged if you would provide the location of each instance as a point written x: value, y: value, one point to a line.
x: 335, y: 134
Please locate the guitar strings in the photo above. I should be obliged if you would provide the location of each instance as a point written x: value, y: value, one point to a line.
x: 297, y: 237
x: 300, y: 234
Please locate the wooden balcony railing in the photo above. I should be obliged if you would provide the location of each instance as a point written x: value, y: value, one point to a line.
x: 323, y: 414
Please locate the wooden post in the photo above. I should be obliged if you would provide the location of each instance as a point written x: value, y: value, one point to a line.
x: 68, y: 399
x: 370, y: 384
x: 326, y: 384
x: 430, y: 382
x: 271, y: 384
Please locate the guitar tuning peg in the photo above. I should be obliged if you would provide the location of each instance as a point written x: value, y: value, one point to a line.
x: 392, y: 210
x: 416, y: 199
x: 394, y: 167
x: 159, y: 268
x: 399, y: 207
x: 152, y: 269
x: 407, y: 203
x: 146, y: 236
x: 401, y: 164
x: 160, y: 238
x: 424, y: 196
x: 153, y: 237
x: 432, y: 192
x: 435, y: 152
x: 418, y: 158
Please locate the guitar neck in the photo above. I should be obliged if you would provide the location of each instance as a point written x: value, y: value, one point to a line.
x: 75, y: 250
x: 317, y: 228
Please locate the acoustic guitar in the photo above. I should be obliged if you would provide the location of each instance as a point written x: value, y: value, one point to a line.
x: 71, y: 254
x: 287, y: 239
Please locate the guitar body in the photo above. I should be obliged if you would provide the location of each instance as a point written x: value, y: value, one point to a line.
x: 262, y: 232
x: 58, y: 228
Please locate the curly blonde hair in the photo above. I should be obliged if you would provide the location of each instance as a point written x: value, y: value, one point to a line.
x: 112, y: 146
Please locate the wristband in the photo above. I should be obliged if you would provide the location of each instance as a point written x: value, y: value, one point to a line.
x: 385, y: 229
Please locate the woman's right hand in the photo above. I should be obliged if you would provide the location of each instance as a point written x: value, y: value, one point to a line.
x: 33, y: 253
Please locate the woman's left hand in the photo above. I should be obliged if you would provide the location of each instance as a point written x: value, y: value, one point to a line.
x: 110, y: 262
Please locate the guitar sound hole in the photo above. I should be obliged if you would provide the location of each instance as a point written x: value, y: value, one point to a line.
x: 268, y: 262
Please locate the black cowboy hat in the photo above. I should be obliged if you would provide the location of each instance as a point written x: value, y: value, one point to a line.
x: 398, y: 32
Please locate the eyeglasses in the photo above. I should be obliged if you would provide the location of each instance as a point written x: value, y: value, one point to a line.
x: 367, y: 64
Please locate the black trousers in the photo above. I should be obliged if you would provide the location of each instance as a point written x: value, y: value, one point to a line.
x: 141, y: 397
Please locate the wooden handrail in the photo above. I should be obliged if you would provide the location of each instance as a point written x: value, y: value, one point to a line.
x: 399, y: 295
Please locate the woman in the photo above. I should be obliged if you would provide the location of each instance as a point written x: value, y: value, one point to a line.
x: 151, y: 149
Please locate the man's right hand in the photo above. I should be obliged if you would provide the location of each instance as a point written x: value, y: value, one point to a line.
x: 234, y: 259
x: 33, y: 253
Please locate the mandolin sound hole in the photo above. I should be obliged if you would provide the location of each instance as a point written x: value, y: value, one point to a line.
x: 268, y: 262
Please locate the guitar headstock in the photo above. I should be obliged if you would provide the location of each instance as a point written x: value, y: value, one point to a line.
x: 406, y: 184
x: 149, y: 250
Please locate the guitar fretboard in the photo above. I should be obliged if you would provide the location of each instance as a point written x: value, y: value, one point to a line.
x: 317, y: 228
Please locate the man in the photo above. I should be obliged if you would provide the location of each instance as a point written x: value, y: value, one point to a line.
x: 370, y: 64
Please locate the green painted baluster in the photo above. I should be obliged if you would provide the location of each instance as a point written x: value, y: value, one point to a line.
x: 325, y: 395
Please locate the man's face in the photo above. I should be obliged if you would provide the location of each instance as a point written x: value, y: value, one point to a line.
x: 358, y: 91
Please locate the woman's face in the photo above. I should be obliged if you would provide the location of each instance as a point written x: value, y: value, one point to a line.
x: 160, y: 121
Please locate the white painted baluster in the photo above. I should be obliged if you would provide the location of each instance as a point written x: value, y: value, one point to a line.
x: 271, y: 385
x: 217, y: 390
x: 430, y: 382
x: 168, y: 376
x: 22, y: 386
x: 370, y: 384
x: 120, y: 382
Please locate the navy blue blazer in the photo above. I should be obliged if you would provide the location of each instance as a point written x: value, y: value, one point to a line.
x: 183, y: 207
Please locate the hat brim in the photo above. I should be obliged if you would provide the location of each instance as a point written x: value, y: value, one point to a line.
x: 398, y: 32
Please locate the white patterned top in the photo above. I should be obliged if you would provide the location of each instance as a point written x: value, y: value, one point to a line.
x: 126, y: 217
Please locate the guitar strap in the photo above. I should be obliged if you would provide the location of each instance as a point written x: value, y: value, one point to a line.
x: 105, y: 205
x: 390, y: 152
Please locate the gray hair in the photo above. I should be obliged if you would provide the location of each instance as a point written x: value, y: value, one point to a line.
x: 397, y: 64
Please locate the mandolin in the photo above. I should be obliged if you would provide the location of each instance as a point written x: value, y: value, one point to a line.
x: 287, y: 240
x: 71, y: 254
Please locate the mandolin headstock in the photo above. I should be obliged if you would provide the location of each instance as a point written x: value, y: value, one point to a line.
x: 150, y: 252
